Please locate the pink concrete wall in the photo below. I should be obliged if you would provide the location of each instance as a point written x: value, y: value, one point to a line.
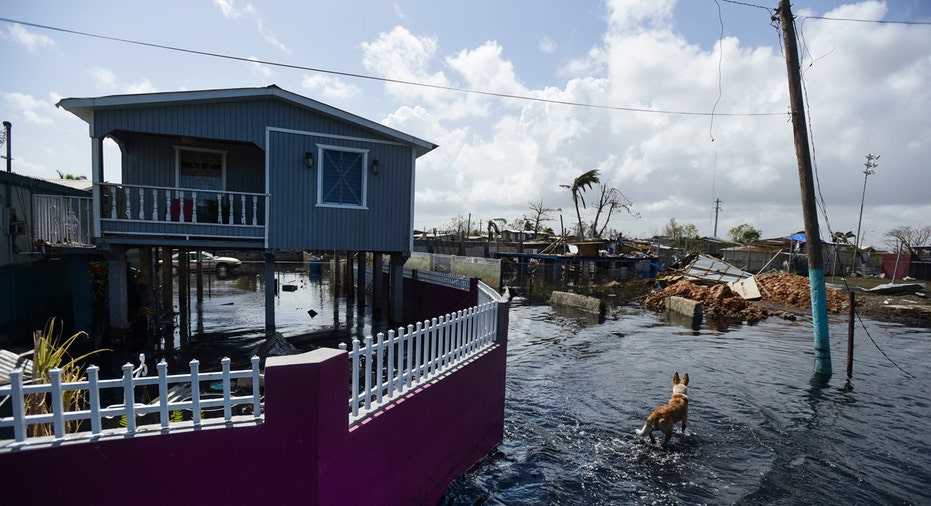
x: 304, y: 453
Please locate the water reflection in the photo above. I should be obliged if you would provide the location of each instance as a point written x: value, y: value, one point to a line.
x: 227, y: 314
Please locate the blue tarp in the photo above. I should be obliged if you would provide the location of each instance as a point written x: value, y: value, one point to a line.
x: 800, y: 237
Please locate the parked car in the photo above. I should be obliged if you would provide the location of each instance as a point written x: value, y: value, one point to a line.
x: 210, y: 262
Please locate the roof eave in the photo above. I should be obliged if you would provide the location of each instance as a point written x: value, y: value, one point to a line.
x: 84, y: 107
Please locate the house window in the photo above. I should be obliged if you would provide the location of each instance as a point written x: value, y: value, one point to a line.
x: 341, y: 177
x: 201, y: 169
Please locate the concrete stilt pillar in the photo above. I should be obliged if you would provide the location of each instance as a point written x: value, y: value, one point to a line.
x: 117, y: 285
x: 396, y: 287
x: 271, y: 288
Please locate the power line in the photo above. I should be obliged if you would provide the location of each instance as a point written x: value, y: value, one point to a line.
x: 827, y: 18
x: 745, y: 4
x: 384, y: 79
x: 879, y: 21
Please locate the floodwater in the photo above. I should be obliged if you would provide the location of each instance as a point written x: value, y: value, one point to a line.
x: 759, y: 431
x: 229, y: 321
x: 761, y: 428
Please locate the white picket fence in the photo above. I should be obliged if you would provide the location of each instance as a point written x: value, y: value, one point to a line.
x: 17, y: 391
x: 388, y: 366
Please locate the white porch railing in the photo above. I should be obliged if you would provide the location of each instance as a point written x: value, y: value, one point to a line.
x: 127, y: 202
x: 62, y: 221
x: 388, y: 366
x: 17, y: 391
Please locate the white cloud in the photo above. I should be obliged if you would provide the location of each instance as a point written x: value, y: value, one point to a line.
x: 497, y: 155
x: 32, y: 41
x: 231, y: 11
x: 545, y: 44
x: 105, y: 78
x: 30, y: 109
x: 227, y: 8
x: 144, y: 86
x: 484, y: 69
x: 328, y: 86
x: 260, y: 69
x: 399, y: 12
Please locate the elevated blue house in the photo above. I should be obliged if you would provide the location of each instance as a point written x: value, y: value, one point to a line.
x: 251, y: 169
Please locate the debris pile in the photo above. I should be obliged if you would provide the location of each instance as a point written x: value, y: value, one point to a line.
x: 720, y: 302
x: 790, y: 290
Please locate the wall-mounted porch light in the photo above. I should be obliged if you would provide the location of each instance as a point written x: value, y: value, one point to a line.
x: 309, y: 159
x: 375, y: 167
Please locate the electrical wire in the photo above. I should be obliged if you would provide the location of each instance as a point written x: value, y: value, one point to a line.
x: 878, y: 21
x: 385, y: 79
x: 720, y: 62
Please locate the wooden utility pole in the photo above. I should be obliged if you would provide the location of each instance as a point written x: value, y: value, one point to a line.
x: 819, y: 311
x: 717, y: 208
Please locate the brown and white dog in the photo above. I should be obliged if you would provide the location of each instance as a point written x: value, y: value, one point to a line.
x: 664, y: 417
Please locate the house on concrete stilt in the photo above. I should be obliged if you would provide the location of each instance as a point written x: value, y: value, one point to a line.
x: 259, y: 169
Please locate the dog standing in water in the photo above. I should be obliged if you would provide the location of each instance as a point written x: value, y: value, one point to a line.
x: 664, y: 417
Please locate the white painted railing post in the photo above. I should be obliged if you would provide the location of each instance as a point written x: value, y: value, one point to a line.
x: 141, y: 203
x: 368, y: 372
x: 19, y: 409
x: 93, y: 397
x: 112, y: 202
x: 435, y: 349
x: 58, y: 406
x: 129, y: 398
x: 392, y: 370
x: 255, y: 213
x: 355, y: 377
x: 194, y: 207
x: 409, y: 366
x: 227, y: 406
x: 127, y: 198
x: 418, y: 344
x: 195, y: 391
x: 379, y: 366
x: 162, y: 368
x: 256, y: 395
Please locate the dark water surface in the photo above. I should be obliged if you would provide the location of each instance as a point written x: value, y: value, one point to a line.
x: 758, y: 432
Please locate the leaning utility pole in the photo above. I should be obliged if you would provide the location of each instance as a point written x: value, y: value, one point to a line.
x: 819, y: 310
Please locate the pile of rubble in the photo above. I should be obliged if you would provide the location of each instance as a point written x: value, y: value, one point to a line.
x: 778, y: 290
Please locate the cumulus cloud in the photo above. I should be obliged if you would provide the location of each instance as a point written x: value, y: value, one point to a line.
x: 261, y: 70
x: 497, y: 155
x: 329, y: 87
x: 29, y: 108
x: 105, y: 78
x: 32, y: 41
x: 143, y: 86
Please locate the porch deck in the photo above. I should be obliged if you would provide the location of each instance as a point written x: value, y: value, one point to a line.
x: 153, y: 215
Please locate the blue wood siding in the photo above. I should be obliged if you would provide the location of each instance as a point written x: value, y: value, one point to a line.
x: 149, y: 160
x: 148, y: 135
x: 296, y: 221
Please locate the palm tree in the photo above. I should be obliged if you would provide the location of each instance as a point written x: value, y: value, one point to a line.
x: 578, y: 186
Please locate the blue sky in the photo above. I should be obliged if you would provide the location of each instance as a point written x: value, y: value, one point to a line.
x: 866, y: 83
